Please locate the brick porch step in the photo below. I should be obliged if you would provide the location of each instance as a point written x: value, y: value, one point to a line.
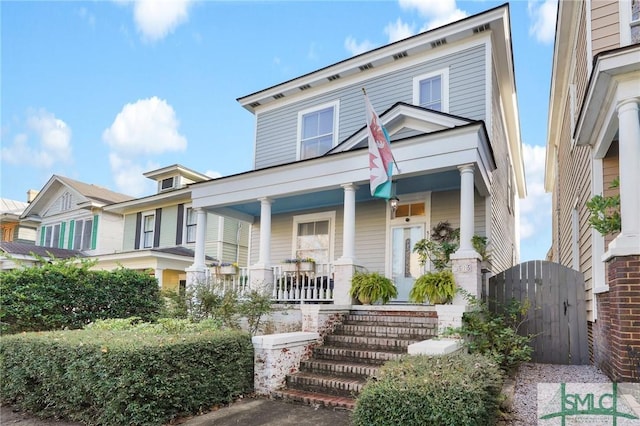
x: 312, y: 398
x: 390, y: 321
x: 338, y: 368
x: 362, y: 355
x: 402, y: 332
x: 331, y: 385
x: 369, y: 343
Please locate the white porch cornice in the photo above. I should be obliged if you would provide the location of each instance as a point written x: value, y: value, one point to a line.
x: 418, y: 155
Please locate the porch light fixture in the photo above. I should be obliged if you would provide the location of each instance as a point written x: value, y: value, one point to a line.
x: 393, y: 203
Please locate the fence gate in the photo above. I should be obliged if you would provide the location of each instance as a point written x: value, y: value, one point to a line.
x: 557, y: 315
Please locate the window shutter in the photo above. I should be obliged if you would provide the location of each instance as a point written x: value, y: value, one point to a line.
x: 136, y: 244
x: 72, y: 225
x: 43, y: 230
x: 180, y: 224
x: 63, y: 227
x: 156, y: 230
x: 94, y: 233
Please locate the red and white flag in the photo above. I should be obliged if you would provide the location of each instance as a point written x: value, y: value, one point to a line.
x: 380, y: 156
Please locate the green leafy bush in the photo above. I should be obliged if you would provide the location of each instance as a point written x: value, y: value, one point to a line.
x: 495, y: 334
x: 604, y: 212
x: 458, y: 389
x: 120, y: 372
x: 438, y: 287
x: 66, y: 294
x: 370, y: 287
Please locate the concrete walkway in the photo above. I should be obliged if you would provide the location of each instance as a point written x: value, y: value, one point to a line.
x: 266, y: 412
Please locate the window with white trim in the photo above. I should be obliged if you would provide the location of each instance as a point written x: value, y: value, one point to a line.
x: 317, y: 130
x: 635, y: 21
x: 313, y: 236
x: 65, y: 201
x: 432, y: 90
x: 190, y: 225
x: 52, y: 236
x: 83, y: 230
x: 148, y: 226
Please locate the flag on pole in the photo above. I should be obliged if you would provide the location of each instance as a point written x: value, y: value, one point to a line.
x: 380, y: 157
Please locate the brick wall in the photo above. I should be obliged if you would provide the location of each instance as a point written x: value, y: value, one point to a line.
x: 617, y: 329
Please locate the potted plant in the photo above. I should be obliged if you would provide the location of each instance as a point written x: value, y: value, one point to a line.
x: 224, y: 268
x: 299, y: 264
x: 370, y: 287
x: 438, y: 287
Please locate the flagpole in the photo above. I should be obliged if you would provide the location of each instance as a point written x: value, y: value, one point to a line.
x: 392, y: 157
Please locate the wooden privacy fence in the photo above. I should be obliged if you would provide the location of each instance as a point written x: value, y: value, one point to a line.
x: 557, y: 315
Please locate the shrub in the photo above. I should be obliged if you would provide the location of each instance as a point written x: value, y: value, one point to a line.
x: 438, y: 287
x: 63, y: 294
x: 120, y: 372
x: 495, y: 334
x: 457, y: 389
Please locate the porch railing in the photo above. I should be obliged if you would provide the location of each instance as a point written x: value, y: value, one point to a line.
x: 238, y: 282
x: 295, y: 285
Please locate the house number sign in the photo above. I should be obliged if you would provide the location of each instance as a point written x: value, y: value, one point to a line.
x: 462, y: 268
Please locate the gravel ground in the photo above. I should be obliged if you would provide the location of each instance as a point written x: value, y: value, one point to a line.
x: 524, y: 405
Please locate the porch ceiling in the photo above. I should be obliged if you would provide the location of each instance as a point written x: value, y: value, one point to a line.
x: 442, y: 181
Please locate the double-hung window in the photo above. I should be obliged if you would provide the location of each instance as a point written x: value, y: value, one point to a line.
x: 148, y: 226
x: 432, y: 90
x: 317, y: 129
x: 190, y: 225
x: 82, y: 234
x: 313, y: 236
x: 635, y: 21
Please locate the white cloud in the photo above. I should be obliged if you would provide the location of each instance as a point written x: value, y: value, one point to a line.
x: 356, y: 48
x: 398, y: 30
x: 148, y: 126
x: 87, y: 16
x: 145, y: 128
x: 437, y: 12
x: 543, y: 16
x: 535, y: 209
x: 45, y: 142
x: 155, y: 19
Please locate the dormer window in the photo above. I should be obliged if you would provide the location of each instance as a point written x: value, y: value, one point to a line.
x: 168, y: 183
x: 317, y: 130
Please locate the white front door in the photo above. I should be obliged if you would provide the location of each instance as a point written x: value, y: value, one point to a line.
x: 405, y: 266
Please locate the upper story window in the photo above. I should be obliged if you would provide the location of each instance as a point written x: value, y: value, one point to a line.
x: 51, y: 236
x: 317, y: 130
x: 432, y: 90
x: 148, y: 226
x: 190, y: 225
x: 82, y: 234
x: 635, y: 21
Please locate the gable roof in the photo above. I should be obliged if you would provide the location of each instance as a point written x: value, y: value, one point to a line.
x: 403, y: 115
x: 89, y: 194
x: 25, y: 249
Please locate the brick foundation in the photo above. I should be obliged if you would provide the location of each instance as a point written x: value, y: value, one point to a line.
x: 616, y: 333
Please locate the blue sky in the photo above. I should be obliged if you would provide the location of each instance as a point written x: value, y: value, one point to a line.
x: 103, y: 91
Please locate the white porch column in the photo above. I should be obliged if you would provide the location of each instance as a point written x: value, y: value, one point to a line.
x: 201, y: 235
x: 261, y: 274
x: 157, y: 273
x: 466, y: 210
x: 265, y: 232
x: 628, y: 241
x: 349, y: 227
x: 197, y: 272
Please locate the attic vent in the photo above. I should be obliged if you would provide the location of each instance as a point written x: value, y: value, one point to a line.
x: 366, y: 66
x: 439, y: 42
x: 481, y: 28
x: 278, y: 96
x: 254, y: 104
x: 333, y: 77
x: 400, y: 55
x: 168, y: 183
x: 305, y: 87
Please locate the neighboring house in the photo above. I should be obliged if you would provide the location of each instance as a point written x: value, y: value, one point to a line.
x: 12, y: 230
x: 14, y: 254
x: 70, y: 215
x: 447, y: 98
x: 594, y: 137
x: 159, y: 231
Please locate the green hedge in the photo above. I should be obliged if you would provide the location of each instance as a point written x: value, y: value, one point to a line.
x: 130, y: 377
x: 420, y: 390
x: 62, y: 294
